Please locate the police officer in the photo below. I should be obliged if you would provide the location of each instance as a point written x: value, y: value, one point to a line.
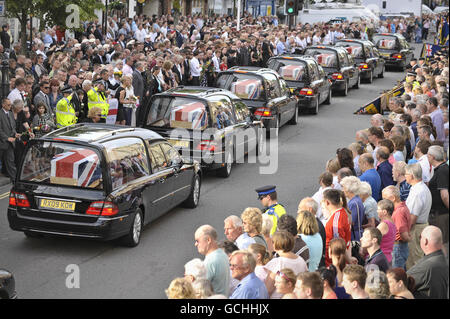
x: 65, y: 112
x: 96, y: 97
x: 411, y: 78
x: 268, y: 197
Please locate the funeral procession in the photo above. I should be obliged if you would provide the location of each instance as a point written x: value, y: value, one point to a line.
x: 224, y: 149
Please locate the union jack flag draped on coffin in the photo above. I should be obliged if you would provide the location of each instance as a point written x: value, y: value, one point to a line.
x: 354, y: 51
x: 190, y: 116
x: 246, y: 89
x: 387, y: 44
x: 77, y: 167
x: 325, y: 60
x: 292, y: 72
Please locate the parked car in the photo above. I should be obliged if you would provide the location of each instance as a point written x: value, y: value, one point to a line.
x: 214, y: 124
x: 305, y: 78
x: 99, y: 181
x: 264, y: 92
x: 7, y: 285
x: 366, y: 56
x: 394, y: 49
x: 339, y: 66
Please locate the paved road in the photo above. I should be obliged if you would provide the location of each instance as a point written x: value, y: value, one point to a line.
x: 111, y: 271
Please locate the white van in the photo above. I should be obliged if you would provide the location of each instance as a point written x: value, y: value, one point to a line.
x: 324, y: 12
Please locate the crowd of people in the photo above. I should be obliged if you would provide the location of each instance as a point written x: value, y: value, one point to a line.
x: 375, y: 227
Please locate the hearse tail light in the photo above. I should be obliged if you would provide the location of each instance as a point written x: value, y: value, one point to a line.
x: 397, y: 56
x: 307, y: 92
x: 17, y: 199
x: 207, y: 145
x: 337, y: 76
x: 102, y: 208
x: 262, y: 111
x: 364, y: 66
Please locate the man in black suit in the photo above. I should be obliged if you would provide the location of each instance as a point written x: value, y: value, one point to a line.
x: 8, y: 137
x: 100, y: 57
x: 138, y: 81
x: 42, y: 96
x: 187, y: 55
x: 5, y: 38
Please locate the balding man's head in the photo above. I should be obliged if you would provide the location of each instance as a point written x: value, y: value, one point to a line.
x: 431, y: 239
x: 308, y: 204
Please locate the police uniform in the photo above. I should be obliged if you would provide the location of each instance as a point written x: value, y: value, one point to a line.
x: 276, y: 210
x: 65, y: 112
x: 414, y: 82
x: 98, y: 99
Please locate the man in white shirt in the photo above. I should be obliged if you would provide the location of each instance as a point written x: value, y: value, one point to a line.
x: 420, y: 153
x: 326, y: 182
x: 140, y: 34
x: 19, y: 92
x: 316, y: 38
x: 419, y: 204
x: 216, y: 60
x: 195, y: 68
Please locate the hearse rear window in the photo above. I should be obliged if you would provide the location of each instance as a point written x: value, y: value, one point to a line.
x: 58, y: 163
x: 325, y: 58
x: 178, y: 112
x: 384, y: 42
x: 291, y: 70
x: 354, y: 49
x: 244, y: 85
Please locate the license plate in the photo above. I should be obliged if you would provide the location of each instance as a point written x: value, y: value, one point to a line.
x: 387, y: 55
x: 178, y: 143
x: 57, y: 204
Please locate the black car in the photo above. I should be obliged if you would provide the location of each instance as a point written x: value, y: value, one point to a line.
x: 366, y: 56
x: 305, y: 78
x: 394, y: 49
x: 339, y: 66
x: 264, y: 92
x: 7, y: 285
x: 99, y: 181
x: 210, y: 125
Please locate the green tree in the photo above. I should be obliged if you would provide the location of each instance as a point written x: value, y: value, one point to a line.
x: 49, y: 12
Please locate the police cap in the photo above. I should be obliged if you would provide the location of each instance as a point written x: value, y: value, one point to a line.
x: 265, y: 190
x: 66, y: 89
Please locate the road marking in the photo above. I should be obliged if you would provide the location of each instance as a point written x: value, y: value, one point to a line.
x: 2, y: 196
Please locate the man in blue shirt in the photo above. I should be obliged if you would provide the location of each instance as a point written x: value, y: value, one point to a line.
x: 281, y: 47
x: 370, y: 175
x: 242, y: 265
x: 384, y: 168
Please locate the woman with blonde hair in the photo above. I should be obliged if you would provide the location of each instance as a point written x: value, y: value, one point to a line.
x: 308, y: 229
x: 180, y: 288
x: 332, y: 167
x: 252, y: 223
x: 285, y: 283
x: 262, y: 257
x: 267, y: 226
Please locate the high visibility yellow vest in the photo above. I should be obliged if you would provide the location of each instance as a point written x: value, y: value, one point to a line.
x: 65, y: 113
x: 275, y: 211
x: 96, y: 99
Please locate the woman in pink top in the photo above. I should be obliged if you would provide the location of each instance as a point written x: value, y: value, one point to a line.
x: 385, y: 208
